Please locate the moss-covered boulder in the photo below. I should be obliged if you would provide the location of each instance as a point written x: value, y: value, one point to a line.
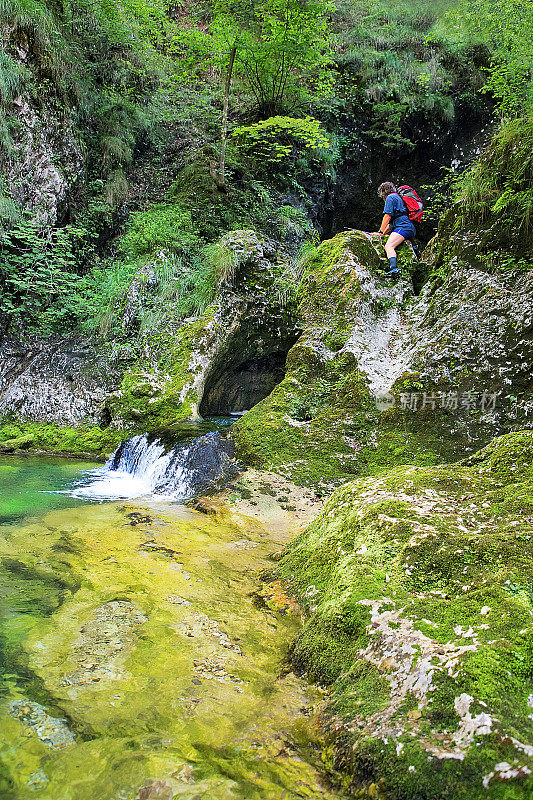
x: 84, y: 441
x: 381, y: 376
x: 468, y: 342
x: 418, y: 586
x: 320, y: 425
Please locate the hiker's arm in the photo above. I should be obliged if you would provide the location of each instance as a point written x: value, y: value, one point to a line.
x: 385, y: 225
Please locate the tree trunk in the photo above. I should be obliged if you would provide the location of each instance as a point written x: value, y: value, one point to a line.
x: 221, y: 183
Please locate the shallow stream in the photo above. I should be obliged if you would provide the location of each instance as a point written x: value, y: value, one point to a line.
x: 137, y: 659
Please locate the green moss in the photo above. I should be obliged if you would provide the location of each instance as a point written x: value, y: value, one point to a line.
x: 18, y: 443
x: 64, y: 578
x: 164, y: 225
x: 159, y: 397
x: 87, y: 441
x: 446, y: 564
x: 248, y: 205
x: 320, y: 426
x: 362, y: 690
x: 506, y: 458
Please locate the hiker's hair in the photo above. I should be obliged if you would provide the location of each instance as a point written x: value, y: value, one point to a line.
x: 386, y: 188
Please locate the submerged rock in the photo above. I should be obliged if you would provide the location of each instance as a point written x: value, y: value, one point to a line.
x: 160, y: 790
x: 52, y: 731
x: 417, y: 584
x: 101, y: 641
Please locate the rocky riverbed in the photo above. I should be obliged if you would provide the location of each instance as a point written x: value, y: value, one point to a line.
x: 145, y: 658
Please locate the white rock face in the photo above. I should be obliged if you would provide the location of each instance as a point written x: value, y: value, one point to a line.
x: 47, y: 158
x: 61, y: 381
x: 378, y: 332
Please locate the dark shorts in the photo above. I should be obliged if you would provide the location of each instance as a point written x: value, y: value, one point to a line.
x: 408, y: 232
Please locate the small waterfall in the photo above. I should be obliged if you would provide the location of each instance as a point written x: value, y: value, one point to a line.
x: 143, y: 465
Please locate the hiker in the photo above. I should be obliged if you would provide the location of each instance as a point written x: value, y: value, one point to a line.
x: 396, y: 222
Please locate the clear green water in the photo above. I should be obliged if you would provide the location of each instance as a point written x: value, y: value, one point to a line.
x: 136, y: 660
x: 27, y: 486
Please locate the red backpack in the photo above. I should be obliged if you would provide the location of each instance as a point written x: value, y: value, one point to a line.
x: 414, y: 204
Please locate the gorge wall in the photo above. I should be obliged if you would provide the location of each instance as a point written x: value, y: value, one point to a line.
x: 140, y: 292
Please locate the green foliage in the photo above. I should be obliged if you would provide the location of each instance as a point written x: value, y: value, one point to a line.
x: 104, y: 292
x: 101, y: 62
x: 35, y: 22
x: 131, y: 73
x: 164, y: 225
x: 506, y: 26
x: 223, y: 261
x: 394, y: 61
x: 282, y: 49
x: 13, y: 76
x: 495, y: 197
x: 122, y: 20
x: 277, y: 138
x: 126, y: 296
x: 290, y: 221
x: 183, y: 284
x: 38, y: 276
x: 314, y: 399
x: 9, y: 213
x: 499, y: 186
x: 188, y: 288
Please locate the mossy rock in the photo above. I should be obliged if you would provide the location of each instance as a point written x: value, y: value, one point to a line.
x: 85, y: 441
x: 319, y: 425
x: 18, y: 443
x: 162, y: 390
x: 366, y: 340
x: 418, y: 586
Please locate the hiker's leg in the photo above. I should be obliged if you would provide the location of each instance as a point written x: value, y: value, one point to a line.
x: 394, y: 241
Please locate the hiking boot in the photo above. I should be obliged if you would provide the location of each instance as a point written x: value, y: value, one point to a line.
x: 393, y: 273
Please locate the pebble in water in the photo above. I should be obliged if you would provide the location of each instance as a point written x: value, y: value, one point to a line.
x: 52, y: 731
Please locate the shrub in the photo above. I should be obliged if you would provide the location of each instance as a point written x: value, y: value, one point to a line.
x: 38, y: 276
x: 165, y: 226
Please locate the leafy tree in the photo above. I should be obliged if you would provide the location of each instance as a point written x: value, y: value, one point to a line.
x: 279, y: 49
x: 506, y: 26
x: 282, y: 48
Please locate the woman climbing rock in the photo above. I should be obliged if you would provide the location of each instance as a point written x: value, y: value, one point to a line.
x: 396, y: 222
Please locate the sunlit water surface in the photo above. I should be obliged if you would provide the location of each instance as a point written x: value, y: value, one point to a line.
x: 136, y: 660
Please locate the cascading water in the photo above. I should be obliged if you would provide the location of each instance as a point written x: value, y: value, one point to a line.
x: 143, y: 466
